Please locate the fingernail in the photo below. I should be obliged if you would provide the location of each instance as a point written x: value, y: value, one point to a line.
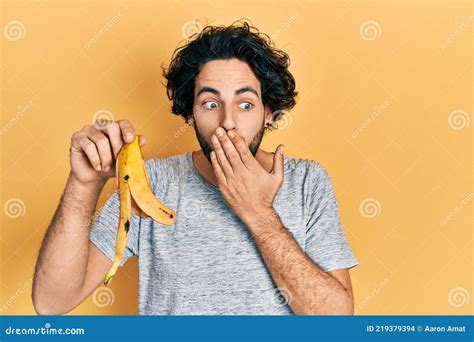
x: 282, y: 149
x: 130, y: 137
x: 98, y: 168
x: 220, y: 132
x: 107, y: 168
x: 231, y: 134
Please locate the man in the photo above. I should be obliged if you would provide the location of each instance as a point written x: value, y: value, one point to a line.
x: 256, y: 232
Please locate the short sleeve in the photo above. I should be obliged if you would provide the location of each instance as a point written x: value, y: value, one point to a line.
x: 325, y: 242
x: 103, y: 230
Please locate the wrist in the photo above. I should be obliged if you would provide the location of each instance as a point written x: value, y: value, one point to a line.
x: 261, y: 218
x: 86, y: 186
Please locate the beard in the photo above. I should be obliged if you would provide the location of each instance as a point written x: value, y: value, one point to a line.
x: 207, y: 149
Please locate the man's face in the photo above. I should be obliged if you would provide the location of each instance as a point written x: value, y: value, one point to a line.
x: 227, y: 94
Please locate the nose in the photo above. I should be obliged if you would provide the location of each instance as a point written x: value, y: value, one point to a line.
x: 228, y: 119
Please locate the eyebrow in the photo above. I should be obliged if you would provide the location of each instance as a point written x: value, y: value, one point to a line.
x: 218, y: 93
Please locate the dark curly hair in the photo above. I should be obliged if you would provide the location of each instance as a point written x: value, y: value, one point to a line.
x: 238, y: 40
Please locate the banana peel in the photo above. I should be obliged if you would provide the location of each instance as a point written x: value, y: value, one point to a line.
x: 136, y: 196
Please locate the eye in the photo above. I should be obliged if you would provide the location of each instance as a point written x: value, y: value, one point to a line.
x: 246, y: 106
x: 210, y: 105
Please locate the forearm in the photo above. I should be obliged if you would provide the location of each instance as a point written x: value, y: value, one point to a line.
x: 63, y: 258
x: 311, y: 290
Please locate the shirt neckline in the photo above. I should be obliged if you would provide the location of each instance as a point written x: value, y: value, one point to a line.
x: 189, y: 158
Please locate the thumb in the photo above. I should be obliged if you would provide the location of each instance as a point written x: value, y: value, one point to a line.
x: 141, y: 140
x: 278, y: 161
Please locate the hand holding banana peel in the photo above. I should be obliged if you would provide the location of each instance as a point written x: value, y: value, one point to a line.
x: 92, y: 153
x: 133, y: 182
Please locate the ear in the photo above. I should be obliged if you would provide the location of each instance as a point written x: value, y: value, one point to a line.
x: 268, y: 115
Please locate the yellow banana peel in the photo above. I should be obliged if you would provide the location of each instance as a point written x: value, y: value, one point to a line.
x: 135, y: 195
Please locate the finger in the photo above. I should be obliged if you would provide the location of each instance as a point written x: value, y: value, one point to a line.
x: 245, y: 155
x: 128, y: 131
x: 278, y: 162
x: 102, y: 143
x: 82, y: 143
x: 141, y: 140
x: 102, y: 124
x: 221, y: 157
x: 114, y: 133
x: 220, y: 176
x: 229, y: 149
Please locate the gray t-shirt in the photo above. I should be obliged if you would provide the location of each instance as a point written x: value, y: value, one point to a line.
x: 207, y: 263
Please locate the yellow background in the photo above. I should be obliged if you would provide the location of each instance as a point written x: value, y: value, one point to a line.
x: 385, y: 105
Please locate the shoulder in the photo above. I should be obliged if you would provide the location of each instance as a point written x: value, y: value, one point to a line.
x: 314, y: 178
x: 164, y: 169
x: 313, y: 171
